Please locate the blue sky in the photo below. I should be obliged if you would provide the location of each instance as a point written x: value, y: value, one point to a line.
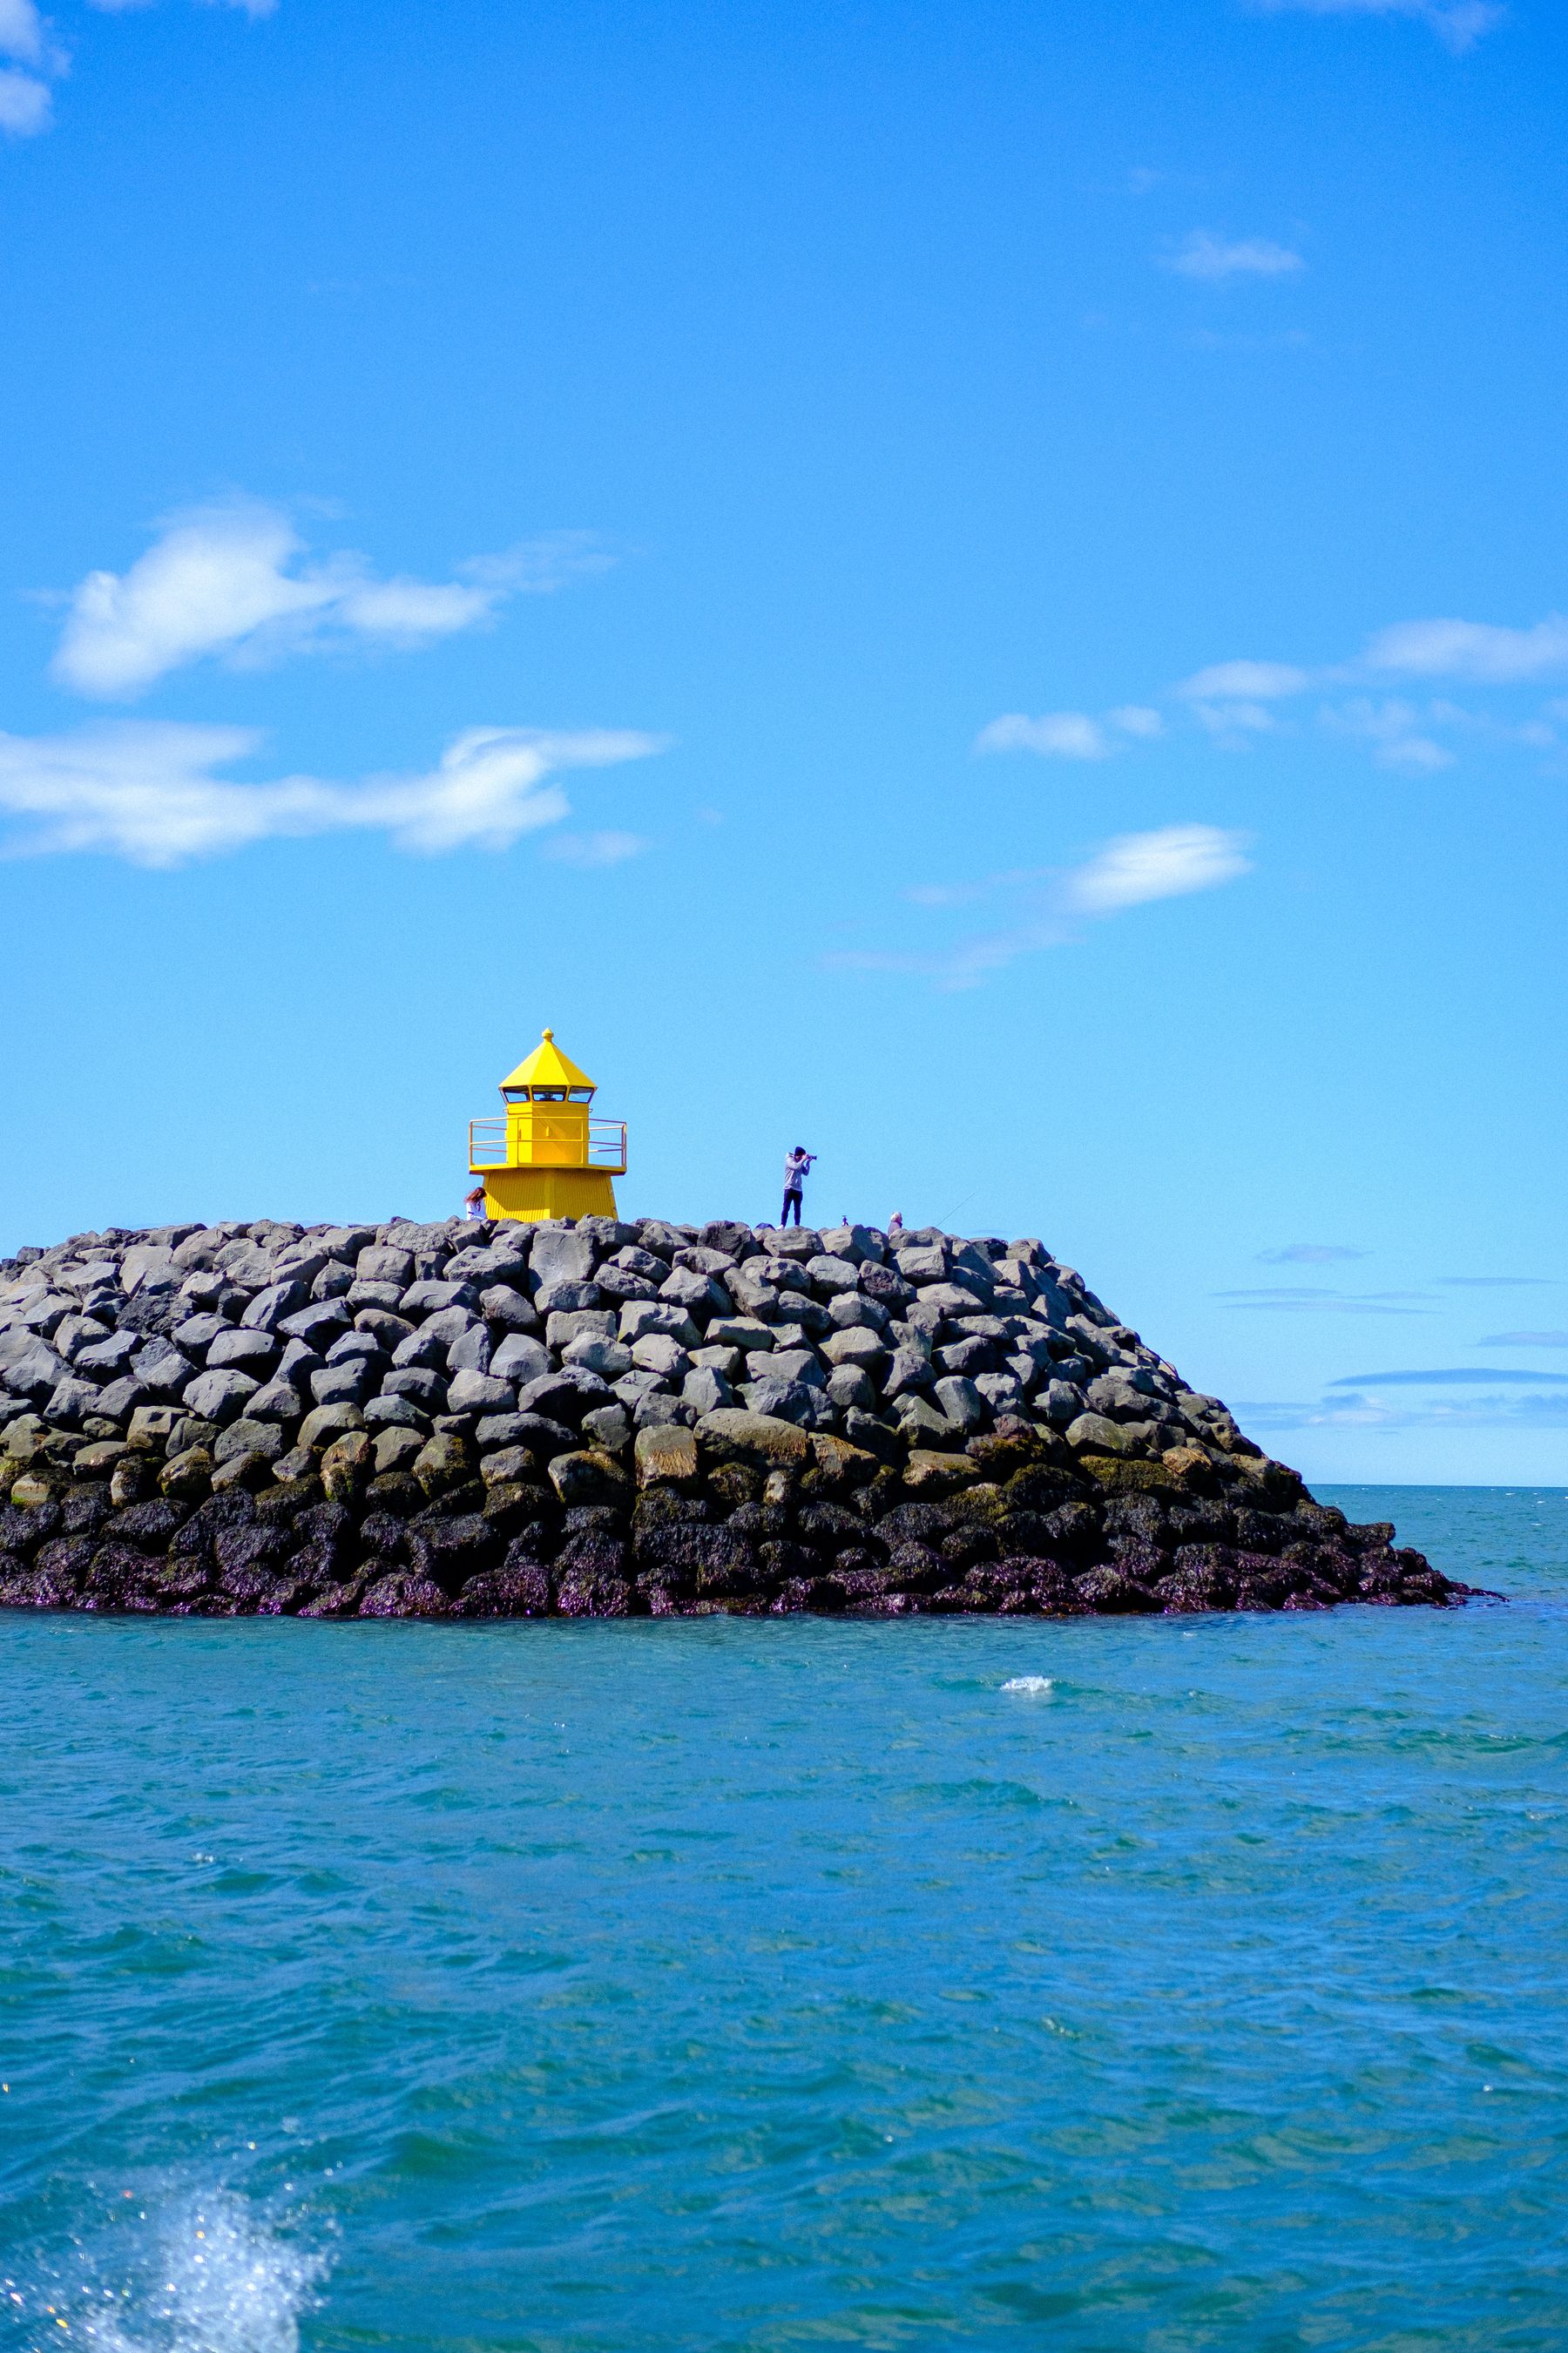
x: 978, y: 586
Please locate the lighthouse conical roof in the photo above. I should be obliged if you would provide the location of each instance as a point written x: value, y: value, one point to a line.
x: 547, y: 1066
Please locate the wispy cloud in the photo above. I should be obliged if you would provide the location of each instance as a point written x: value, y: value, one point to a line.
x: 245, y: 7
x: 595, y: 848
x: 1457, y: 1395
x: 1247, y: 682
x: 35, y: 60
x: 1132, y: 870
x: 1070, y: 734
x: 1478, y: 651
x: 1394, y: 729
x: 150, y: 792
x: 1498, y: 1281
x: 1310, y: 1254
x: 1204, y: 255
x: 233, y: 580
x: 1136, y: 719
x: 1247, y: 699
x: 1447, y: 1376
x: 1389, y: 1411
x: 1058, y: 736
x: 1297, y: 1299
x: 1524, y: 1340
x: 32, y: 60
x: 1459, y: 24
x: 1170, y: 864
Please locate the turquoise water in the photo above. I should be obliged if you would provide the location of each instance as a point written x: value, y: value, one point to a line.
x: 744, y: 1984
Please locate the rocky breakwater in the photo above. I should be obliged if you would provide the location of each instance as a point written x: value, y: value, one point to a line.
x: 610, y: 1419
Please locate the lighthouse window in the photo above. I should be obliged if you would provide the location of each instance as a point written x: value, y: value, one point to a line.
x: 515, y: 1094
x: 580, y: 1094
x: 549, y: 1094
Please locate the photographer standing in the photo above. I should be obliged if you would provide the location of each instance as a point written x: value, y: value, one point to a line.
x: 796, y: 1168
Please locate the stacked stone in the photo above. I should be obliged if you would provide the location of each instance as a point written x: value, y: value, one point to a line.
x: 606, y: 1419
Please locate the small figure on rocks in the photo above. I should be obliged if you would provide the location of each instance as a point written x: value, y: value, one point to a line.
x: 798, y: 1168
x: 474, y: 1202
x: 895, y: 1225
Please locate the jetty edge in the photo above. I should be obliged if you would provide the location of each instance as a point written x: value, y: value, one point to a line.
x: 608, y: 1417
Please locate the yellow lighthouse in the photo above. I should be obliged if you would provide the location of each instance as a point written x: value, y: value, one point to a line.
x: 546, y: 1157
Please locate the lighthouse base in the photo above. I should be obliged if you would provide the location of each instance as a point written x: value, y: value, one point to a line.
x: 528, y: 1195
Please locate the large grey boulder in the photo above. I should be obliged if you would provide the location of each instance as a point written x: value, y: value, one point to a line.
x: 857, y: 1345
x: 147, y: 1263
x: 71, y: 1401
x: 219, y: 1396
x: 961, y: 1402
x: 250, y: 1351
x: 557, y: 1255
x: 642, y: 1316
x: 706, y: 1389
x: 104, y: 1359
x: 831, y: 1276
x: 476, y: 1392
x: 471, y: 1351
x: 36, y: 1372
x: 520, y: 1358
x: 909, y: 1372
x: 160, y: 1369
x: 381, y: 1265
x: 728, y: 1434
x: 268, y: 1307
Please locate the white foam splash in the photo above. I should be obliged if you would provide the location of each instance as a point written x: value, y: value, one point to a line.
x: 221, y: 2280
x: 1032, y: 1683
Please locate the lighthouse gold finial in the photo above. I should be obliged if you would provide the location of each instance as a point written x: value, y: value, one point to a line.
x: 547, y: 1157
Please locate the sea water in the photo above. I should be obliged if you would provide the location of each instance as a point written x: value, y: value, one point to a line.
x: 742, y: 1984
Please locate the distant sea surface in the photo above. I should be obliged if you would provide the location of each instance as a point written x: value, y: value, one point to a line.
x: 1192, y: 1985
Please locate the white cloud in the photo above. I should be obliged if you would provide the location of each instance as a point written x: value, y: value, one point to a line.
x: 1166, y: 864
x: 1296, y: 1298
x: 26, y: 102
x: 1477, y: 650
x: 1458, y: 23
x: 1203, y: 255
x: 147, y: 791
x: 26, y: 106
x: 247, y: 7
x: 1237, y: 701
x: 1232, y: 723
x: 1059, y: 735
x: 1128, y: 872
x: 1394, y: 728
x: 1253, y: 682
x: 1231, y: 699
x: 595, y: 848
x: 26, y: 99
x: 1310, y: 1254
x: 226, y: 580
x: 1069, y: 734
x: 22, y: 32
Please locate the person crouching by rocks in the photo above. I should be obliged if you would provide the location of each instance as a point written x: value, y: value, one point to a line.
x: 798, y: 1168
x: 474, y: 1202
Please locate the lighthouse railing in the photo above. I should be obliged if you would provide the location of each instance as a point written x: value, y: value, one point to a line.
x: 607, y: 1145
x: 487, y: 1144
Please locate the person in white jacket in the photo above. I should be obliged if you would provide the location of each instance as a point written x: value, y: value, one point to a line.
x: 798, y: 1168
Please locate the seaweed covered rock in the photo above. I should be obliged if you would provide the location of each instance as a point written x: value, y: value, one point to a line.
x: 616, y: 1419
